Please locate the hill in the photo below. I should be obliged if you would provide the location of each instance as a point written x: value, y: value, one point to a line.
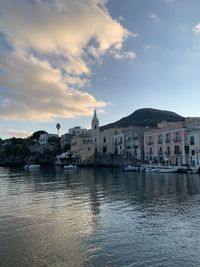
x: 146, y: 117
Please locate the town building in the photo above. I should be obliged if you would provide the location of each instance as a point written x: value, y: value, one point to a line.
x: 134, y: 143
x: 45, y: 137
x: 77, y: 130
x: 119, y: 143
x: 194, y: 148
x: 82, y: 146
x: 85, y: 143
x: 167, y: 144
x: 65, y: 142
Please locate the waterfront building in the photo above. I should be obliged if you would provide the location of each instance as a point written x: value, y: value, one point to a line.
x: 167, y: 144
x: 194, y: 147
x: 119, y: 143
x: 134, y: 143
x: 106, y: 141
x: 85, y: 143
x: 82, y: 146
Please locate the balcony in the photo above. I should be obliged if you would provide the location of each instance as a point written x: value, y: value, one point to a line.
x: 150, y: 143
x: 177, y: 152
x: 177, y: 139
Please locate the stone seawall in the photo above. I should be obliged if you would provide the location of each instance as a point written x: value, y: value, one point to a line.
x: 106, y: 160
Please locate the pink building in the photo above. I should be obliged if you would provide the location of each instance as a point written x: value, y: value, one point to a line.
x: 167, y: 144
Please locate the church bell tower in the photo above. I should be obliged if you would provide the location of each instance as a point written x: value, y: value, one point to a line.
x: 95, y: 130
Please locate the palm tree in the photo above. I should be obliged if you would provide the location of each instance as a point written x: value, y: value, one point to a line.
x: 58, y: 127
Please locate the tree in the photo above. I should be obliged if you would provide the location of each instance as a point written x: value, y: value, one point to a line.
x: 36, y: 135
x: 58, y: 127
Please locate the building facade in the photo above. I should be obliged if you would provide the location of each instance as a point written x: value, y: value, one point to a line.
x: 82, y: 146
x: 194, y: 148
x: 77, y: 130
x: 167, y: 145
x: 44, y: 138
x: 134, y: 143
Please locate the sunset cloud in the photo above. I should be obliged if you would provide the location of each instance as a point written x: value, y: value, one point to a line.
x: 18, y: 134
x: 52, y: 47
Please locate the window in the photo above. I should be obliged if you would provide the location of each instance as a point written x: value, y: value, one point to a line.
x: 104, y: 140
x: 168, y: 138
x: 176, y: 150
x: 193, y: 152
x: 150, y: 142
x: 177, y: 136
x: 95, y: 127
x: 88, y: 148
x: 192, y: 140
x: 186, y: 149
x: 168, y: 150
x: 160, y: 138
x: 150, y: 151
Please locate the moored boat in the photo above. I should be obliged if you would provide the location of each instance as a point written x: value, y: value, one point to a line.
x: 168, y: 170
x: 70, y: 166
x: 130, y: 168
x: 32, y: 166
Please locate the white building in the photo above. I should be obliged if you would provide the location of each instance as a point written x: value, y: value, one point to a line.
x: 43, y: 140
x: 119, y: 143
x: 77, y: 131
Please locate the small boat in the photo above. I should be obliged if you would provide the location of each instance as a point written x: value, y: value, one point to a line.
x: 154, y: 170
x: 70, y: 166
x: 130, y: 168
x: 32, y: 166
x: 168, y: 170
x: 193, y: 171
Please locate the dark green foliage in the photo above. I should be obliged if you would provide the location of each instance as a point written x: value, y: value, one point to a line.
x: 53, y: 140
x: 67, y: 147
x: 36, y: 135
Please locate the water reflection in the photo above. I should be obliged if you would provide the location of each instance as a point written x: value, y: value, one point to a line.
x: 98, y: 217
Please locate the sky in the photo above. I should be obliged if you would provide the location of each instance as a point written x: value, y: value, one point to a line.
x: 61, y: 59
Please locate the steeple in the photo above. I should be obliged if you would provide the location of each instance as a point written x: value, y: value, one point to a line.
x: 95, y: 115
x: 95, y: 129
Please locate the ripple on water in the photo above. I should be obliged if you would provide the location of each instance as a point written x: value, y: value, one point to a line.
x: 99, y: 218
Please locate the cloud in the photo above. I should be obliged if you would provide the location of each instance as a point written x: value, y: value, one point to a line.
x: 54, y: 46
x: 36, y: 91
x: 196, y: 28
x: 154, y: 17
x: 124, y: 55
x: 18, y: 134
